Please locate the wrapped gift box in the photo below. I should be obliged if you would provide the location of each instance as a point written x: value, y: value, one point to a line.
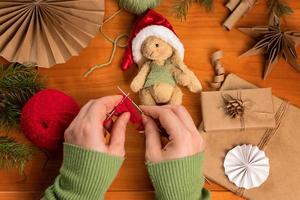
x: 237, y: 109
x: 281, y: 145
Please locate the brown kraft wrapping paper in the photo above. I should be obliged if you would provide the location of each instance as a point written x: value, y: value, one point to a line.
x: 281, y: 145
x: 257, y: 103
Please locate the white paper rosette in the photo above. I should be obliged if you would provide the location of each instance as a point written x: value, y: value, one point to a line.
x: 246, y: 166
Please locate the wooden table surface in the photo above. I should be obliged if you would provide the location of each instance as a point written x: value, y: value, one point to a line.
x: 201, y: 34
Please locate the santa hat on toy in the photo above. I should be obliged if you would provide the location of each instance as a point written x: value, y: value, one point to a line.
x: 149, y: 24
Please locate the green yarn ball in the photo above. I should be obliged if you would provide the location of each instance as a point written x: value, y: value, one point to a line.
x: 138, y: 6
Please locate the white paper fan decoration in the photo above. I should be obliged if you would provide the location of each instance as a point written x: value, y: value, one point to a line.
x: 47, y: 32
x: 246, y: 166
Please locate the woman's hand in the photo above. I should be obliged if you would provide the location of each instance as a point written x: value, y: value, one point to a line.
x: 87, y: 129
x: 184, y: 137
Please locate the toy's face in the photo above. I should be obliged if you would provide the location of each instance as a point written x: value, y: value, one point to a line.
x: 154, y: 48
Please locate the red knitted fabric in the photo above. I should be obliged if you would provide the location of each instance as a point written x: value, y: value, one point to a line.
x: 46, y: 116
x: 135, y: 116
x: 126, y: 106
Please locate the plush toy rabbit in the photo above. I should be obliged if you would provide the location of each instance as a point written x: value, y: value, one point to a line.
x: 159, y: 75
x: 155, y: 47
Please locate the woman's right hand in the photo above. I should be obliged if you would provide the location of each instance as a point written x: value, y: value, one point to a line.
x: 87, y: 128
x: 184, y: 138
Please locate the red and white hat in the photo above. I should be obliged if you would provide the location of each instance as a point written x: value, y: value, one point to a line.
x: 149, y: 24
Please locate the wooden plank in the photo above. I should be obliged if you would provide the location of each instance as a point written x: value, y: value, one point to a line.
x: 201, y: 34
x: 134, y: 195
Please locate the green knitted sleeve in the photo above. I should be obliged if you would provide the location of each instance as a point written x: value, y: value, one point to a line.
x: 84, y: 174
x: 180, y: 179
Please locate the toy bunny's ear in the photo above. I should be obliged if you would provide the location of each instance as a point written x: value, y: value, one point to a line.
x: 175, y: 58
x: 177, y: 61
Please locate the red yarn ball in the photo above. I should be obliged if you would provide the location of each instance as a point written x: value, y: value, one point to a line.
x: 46, y: 116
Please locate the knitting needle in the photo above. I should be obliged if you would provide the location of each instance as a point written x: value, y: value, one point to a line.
x: 161, y: 129
x: 207, y: 180
x: 110, y: 115
x: 114, y: 110
x: 130, y: 100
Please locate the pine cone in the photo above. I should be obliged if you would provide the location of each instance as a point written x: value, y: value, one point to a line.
x: 233, y: 107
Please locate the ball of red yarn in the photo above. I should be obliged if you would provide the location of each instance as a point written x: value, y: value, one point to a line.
x: 46, y: 116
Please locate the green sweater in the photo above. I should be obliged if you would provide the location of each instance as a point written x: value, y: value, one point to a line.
x: 87, y: 175
x: 160, y: 74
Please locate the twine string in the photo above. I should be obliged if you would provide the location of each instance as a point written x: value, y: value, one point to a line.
x: 115, y: 42
x: 246, y: 109
x: 242, y: 119
x: 279, y: 117
x: 240, y: 192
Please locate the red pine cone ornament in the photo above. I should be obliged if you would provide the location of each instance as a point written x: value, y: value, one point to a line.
x: 46, y: 116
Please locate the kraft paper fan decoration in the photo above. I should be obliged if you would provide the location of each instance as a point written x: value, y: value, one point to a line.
x: 47, y: 32
x: 246, y: 166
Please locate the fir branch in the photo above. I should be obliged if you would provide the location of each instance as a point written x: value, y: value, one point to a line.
x: 13, y: 154
x: 208, y: 4
x: 279, y: 7
x: 9, y: 116
x: 181, y: 7
x: 18, y: 83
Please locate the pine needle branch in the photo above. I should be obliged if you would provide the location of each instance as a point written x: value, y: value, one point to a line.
x: 279, y: 7
x: 208, y: 4
x: 181, y: 7
x: 17, y: 84
x: 13, y: 154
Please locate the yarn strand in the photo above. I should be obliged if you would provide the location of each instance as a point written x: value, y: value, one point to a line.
x: 115, y: 42
x: 106, y: 21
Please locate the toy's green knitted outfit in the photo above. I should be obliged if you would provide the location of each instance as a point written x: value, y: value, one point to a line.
x: 160, y: 74
x: 87, y: 174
